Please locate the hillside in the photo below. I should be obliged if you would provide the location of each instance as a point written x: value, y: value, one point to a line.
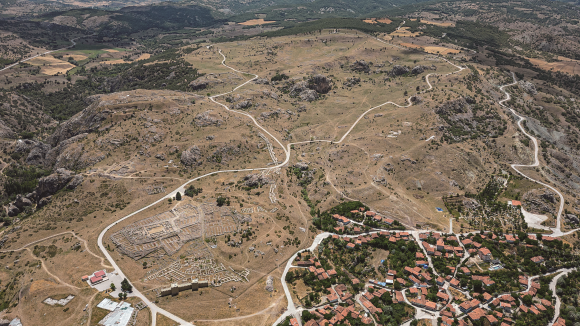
x: 400, y: 163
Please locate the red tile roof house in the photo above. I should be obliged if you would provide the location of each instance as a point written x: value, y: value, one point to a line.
x: 442, y: 296
x: 98, y: 277
x: 506, y: 307
x: 476, y: 314
x: 510, y: 238
x: 294, y: 322
x: 492, y: 320
x: 446, y: 321
x: 455, y: 283
x: 430, y: 305
x: 332, y: 297
x: 538, y: 259
x: 484, y: 254
x: 430, y: 250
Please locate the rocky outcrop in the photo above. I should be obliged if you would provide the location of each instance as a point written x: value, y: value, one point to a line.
x: 86, y: 121
x: 38, y: 153
x: 22, y: 202
x: 571, y: 219
x: 361, y: 66
x: 243, y: 105
x: 320, y: 83
x: 198, y: 84
x: 261, y: 81
x: 24, y: 145
x: 301, y: 165
x: 266, y: 115
x: 399, y: 70
x: 416, y: 99
x: 43, y: 202
x: 205, y: 119
x: 528, y: 87
x: 270, y: 284
x: 191, y: 156
x: 13, y: 210
x: 453, y: 107
x: 51, y: 184
x: 224, y: 154
x: 298, y: 88
x: 309, y: 95
x: 76, y: 181
x: 419, y: 69
x: 351, y: 81
x: 255, y: 180
x: 5, y: 131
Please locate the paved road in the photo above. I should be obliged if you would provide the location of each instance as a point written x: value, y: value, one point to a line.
x: 556, y: 232
x: 553, y: 284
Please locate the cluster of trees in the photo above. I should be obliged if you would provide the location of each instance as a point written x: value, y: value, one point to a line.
x: 193, y: 191
x: 21, y: 179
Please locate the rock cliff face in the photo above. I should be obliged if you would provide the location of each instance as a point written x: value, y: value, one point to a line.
x: 68, y: 154
x: 49, y: 185
x: 46, y: 187
x: 85, y: 121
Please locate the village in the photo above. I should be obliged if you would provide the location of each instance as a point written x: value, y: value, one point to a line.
x: 383, y: 276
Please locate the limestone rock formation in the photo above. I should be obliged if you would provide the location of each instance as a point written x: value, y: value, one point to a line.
x: 76, y: 181
x: 38, y: 153
x: 5, y: 131
x: 86, y: 121
x: 270, y: 284
x: 243, y: 105
x: 320, y: 83
x: 191, y: 156
x: 22, y: 202
x: 399, y: 70
x: 205, y: 119
x: 309, y: 95
x: 360, y: 66
x: 255, y: 180
x: 49, y: 185
x: 13, y: 210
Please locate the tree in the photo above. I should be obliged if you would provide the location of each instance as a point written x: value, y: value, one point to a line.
x: 527, y: 300
x: 126, y: 286
x: 178, y: 196
x: 113, y: 287
x: 144, y: 264
x: 221, y: 201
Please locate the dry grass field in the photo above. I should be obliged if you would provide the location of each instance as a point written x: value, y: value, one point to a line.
x: 259, y: 21
x: 379, y: 20
x: 432, y: 49
x: 50, y: 65
x: 404, y: 32
x: 565, y: 65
